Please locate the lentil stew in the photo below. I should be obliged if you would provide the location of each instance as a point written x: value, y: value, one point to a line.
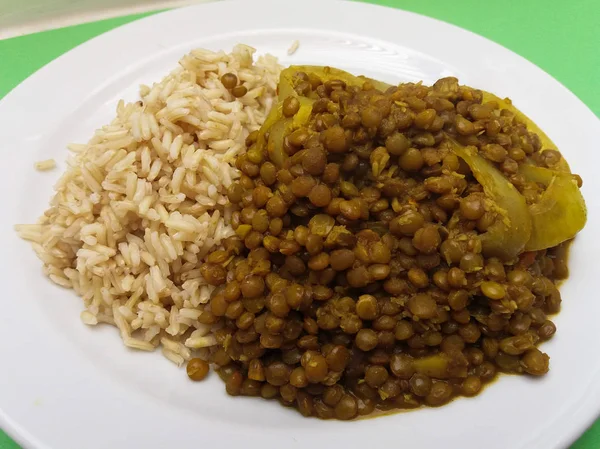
x: 396, y: 246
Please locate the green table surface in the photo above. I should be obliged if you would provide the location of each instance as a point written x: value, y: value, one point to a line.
x: 561, y: 37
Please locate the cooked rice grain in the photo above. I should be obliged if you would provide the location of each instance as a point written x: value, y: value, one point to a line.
x: 144, y: 201
x: 294, y: 47
x: 47, y: 164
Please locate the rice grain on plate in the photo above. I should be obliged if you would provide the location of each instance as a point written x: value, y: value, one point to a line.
x: 45, y: 165
x: 294, y: 47
x: 144, y: 201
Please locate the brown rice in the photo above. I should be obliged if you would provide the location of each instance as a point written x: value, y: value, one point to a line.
x: 144, y: 201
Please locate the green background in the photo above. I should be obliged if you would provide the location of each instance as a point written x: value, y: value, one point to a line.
x: 561, y: 37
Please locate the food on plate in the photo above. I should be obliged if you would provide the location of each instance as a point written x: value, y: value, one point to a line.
x: 293, y: 48
x: 144, y: 201
x: 45, y: 165
x: 399, y: 246
x: 337, y: 243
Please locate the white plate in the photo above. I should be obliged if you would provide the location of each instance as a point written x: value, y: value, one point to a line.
x: 66, y: 386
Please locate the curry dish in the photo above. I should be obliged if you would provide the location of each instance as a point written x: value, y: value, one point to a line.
x: 396, y: 246
x: 339, y: 244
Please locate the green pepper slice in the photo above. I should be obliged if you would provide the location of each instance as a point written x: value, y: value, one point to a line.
x: 276, y: 127
x: 560, y: 212
x: 507, y: 237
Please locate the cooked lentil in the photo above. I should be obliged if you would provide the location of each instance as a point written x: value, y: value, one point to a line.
x: 197, y: 369
x: 364, y: 279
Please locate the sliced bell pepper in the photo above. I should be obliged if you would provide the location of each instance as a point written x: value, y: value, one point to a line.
x: 560, y: 212
x: 441, y: 366
x: 433, y: 365
x: 507, y: 237
x: 276, y: 127
x: 283, y: 127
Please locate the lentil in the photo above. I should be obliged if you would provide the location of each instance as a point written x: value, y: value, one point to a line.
x: 359, y: 278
